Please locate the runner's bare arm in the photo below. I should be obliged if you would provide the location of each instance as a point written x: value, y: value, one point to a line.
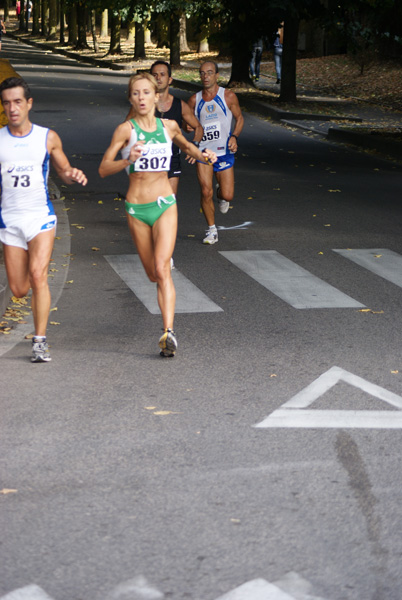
x: 233, y: 104
x: 121, y: 136
x: 61, y: 163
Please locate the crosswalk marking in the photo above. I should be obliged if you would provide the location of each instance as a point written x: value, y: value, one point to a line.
x: 189, y: 299
x: 29, y: 592
x: 289, y: 281
x: 381, y: 261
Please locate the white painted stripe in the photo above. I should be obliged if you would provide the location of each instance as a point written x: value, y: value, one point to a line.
x: 288, y: 281
x: 29, y: 592
x: 333, y: 419
x: 381, y: 261
x: 257, y: 589
x: 189, y: 299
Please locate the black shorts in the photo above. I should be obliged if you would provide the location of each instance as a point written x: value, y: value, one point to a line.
x: 175, y: 166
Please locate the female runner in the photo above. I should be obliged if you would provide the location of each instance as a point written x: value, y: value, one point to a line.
x: 145, y: 143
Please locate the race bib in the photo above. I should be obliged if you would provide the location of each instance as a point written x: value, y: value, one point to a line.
x: 212, y: 132
x: 21, y: 175
x: 155, y: 157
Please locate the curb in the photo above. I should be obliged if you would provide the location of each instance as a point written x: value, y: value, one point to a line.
x: 366, y: 140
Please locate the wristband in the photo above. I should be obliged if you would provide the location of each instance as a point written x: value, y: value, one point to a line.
x: 235, y: 136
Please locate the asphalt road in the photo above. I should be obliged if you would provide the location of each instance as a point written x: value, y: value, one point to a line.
x: 126, y: 476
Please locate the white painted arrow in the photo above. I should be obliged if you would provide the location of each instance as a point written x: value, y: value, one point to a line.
x: 294, y: 413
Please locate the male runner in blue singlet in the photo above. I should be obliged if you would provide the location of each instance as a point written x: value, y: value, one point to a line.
x: 216, y: 107
x: 27, y: 217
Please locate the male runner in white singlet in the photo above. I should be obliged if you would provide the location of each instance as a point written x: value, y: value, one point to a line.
x: 27, y: 217
x: 215, y: 107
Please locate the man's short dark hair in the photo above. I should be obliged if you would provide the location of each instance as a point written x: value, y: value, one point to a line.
x: 13, y: 82
x: 162, y: 62
x: 211, y: 62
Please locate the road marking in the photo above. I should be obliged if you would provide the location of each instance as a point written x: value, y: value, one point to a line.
x: 381, y: 261
x: 291, y: 587
x: 189, y: 299
x: 29, y: 592
x: 288, y: 281
x: 137, y: 588
x: 294, y: 412
x: 244, y: 225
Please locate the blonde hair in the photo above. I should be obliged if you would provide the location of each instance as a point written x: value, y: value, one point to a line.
x: 138, y: 77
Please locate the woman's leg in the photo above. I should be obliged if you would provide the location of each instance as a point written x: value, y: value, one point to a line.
x: 141, y: 234
x: 164, y: 234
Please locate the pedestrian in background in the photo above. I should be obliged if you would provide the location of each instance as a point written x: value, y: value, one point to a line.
x: 255, y: 61
x: 2, y: 29
x: 278, y: 51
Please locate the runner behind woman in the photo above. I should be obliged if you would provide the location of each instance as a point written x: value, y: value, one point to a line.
x: 145, y: 143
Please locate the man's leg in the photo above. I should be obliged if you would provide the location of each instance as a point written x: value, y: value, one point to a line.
x: 40, y: 252
x: 225, y: 191
x: 205, y: 177
x: 16, y: 261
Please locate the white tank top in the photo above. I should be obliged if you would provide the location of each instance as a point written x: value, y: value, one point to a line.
x: 216, y: 118
x: 24, y: 171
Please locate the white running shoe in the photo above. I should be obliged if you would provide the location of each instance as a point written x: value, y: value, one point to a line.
x: 211, y: 236
x: 224, y: 206
x: 40, y: 351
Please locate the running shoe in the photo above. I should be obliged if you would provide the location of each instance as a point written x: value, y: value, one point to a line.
x: 211, y: 236
x: 168, y: 343
x: 40, y: 351
x: 223, y: 206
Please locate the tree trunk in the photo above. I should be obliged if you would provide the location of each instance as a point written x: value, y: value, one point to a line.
x: 288, y: 77
x: 82, y: 43
x: 183, y: 34
x: 104, y: 24
x: 6, y: 10
x: 93, y: 31
x: 72, y: 25
x: 62, y: 22
x: 45, y: 18
x: 115, y: 33
x: 22, y: 18
x: 147, y: 33
x: 130, y: 30
x: 240, y: 44
x: 36, y: 17
x: 162, y: 32
x: 174, y: 39
x: 52, y: 35
x: 139, y: 46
